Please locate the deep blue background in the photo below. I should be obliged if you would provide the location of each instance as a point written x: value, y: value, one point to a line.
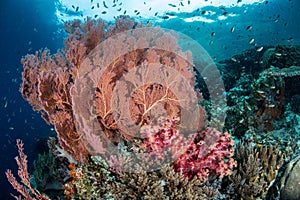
x: 24, y: 25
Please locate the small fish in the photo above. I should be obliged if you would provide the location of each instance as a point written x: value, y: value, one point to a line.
x: 119, y: 9
x: 91, y: 1
x: 170, y: 14
x: 225, y: 13
x: 290, y: 39
x: 156, y: 14
x: 181, y: 4
x: 165, y: 17
x: 211, y: 42
x: 95, y: 16
x: 278, y: 54
x: 232, y: 29
x: 248, y: 107
x: 213, y: 34
x: 114, y: 5
x: 98, y: 5
x: 77, y: 8
x: 189, y: 2
x: 124, y: 12
x: 203, y: 12
x: 260, y: 91
x: 92, y: 7
x: 172, y: 5
x: 249, y: 28
x: 103, y: 12
x: 271, y: 105
x: 73, y: 6
x: 104, y: 4
x: 251, y: 41
x: 137, y: 13
x: 259, y: 49
x: 233, y: 59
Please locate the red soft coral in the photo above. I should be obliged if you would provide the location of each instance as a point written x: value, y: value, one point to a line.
x: 205, y: 153
x: 209, y: 153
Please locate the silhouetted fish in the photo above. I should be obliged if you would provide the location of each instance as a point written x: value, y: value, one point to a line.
x: 232, y: 29
x: 105, y: 6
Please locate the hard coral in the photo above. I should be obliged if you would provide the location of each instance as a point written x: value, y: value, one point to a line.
x: 257, y: 168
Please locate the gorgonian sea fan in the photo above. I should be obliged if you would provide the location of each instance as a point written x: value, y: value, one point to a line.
x: 49, y: 83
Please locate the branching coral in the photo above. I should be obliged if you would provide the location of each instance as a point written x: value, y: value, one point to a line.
x: 24, y: 188
x: 257, y: 167
x: 95, y: 181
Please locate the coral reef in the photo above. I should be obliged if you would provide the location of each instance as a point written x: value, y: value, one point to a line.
x: 95, y: 181
x: 49, y: 82
x: 281, y: 56
x: 50, y: 171
x: 257, y: 168
x: 128, y: 127
x: 56, y: 86
x: 261, y: 103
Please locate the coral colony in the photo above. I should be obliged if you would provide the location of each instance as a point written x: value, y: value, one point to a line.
x: 115, y: 144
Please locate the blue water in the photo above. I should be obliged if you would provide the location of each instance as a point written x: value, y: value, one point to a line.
x: 28, y: 25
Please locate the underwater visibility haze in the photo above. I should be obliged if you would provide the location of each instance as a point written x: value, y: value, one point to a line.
x: 181, y: 99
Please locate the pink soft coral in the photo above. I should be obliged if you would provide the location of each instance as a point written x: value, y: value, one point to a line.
x: 208, y: 152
